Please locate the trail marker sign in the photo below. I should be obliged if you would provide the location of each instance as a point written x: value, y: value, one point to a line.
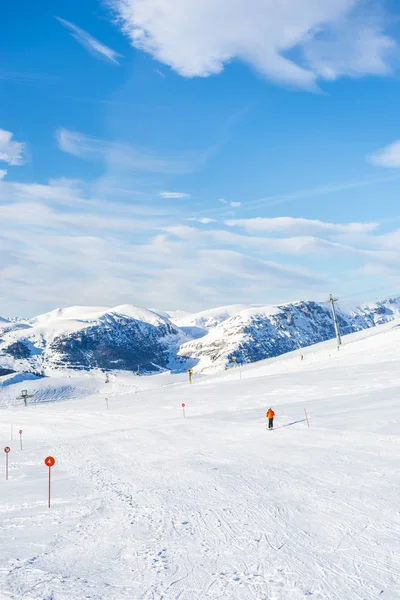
x: 49, y: 462
x: 7, y: 450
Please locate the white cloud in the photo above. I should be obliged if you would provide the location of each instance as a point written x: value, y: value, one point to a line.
x: 354, y: 49
x: 177, y: 195
x: 125, y: 155
x: 299, y: 226
x: 117, y: 252
x: 233, y: 204
x: 203, y: 220
x: 98, y: 49
x: 388, y: 157
x: 290, y: 243
x: 59, y: 232
x: 198, y: 37
x: 40, y: 216
x: 11, y: 152
x: 3, y: 173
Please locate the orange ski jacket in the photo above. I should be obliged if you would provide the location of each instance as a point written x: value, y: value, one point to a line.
x: 270, y: 414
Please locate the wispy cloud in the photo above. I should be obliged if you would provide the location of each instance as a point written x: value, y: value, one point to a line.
x: 388, y: 157
x: 328, y: 39
x: 299, y: 226
x: 321, y: 190
x: 94, y: 46
x: 232, y: 204
x: 127, y: 156
x: 177, y: 195
x: 3, y: 173
x: 58, y: 231
x: 203, y: 221
x: 117, y: 252
x: 11, y: 152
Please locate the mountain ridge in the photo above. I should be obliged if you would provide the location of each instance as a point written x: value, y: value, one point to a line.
x: 129, y: 337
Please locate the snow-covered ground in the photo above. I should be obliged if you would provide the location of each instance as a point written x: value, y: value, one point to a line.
x: 149, y: 505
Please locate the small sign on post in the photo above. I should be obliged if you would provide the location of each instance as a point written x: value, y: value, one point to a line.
x: 7, y: 450
x: 49, y: 462
x: 20, y: 438
x: 183, y: 408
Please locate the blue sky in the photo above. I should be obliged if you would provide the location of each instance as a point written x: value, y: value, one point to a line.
x: 188, y: 154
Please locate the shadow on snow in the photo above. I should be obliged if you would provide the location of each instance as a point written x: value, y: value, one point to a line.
x: 290, y: 424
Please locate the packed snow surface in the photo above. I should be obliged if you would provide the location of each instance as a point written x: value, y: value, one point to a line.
x: 147, y: 504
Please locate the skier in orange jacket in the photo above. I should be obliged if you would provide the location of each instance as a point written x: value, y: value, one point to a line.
x: 270, y: 416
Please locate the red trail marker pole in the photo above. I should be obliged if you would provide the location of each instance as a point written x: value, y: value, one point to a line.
x: 20, y: 438
x: 107, y: 403
x: 183, y: 408
x: 7, y: 450
x: 308, y: 422
x: 49, y: 462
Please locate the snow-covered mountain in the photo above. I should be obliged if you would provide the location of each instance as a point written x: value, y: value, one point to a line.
x: 258, y: 332
x: 91, y: 338
x: 86, y: 338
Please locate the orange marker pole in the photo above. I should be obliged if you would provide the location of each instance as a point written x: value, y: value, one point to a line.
x: 6, y: 450
x: 107, y: 403
x: 49, y: 462
x: 183, y: 408
x: 308, y: 422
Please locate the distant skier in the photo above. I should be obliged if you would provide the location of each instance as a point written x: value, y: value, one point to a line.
x: 270, y: 416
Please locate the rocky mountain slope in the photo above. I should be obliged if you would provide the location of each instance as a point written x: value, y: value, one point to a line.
x: 90, y: 338
x: 87, y: 338
x: 259, y: 332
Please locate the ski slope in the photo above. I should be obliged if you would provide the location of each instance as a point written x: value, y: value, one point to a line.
x: 147, y: 505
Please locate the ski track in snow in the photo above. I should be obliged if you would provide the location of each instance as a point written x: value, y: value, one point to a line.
x: 150, y: 506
